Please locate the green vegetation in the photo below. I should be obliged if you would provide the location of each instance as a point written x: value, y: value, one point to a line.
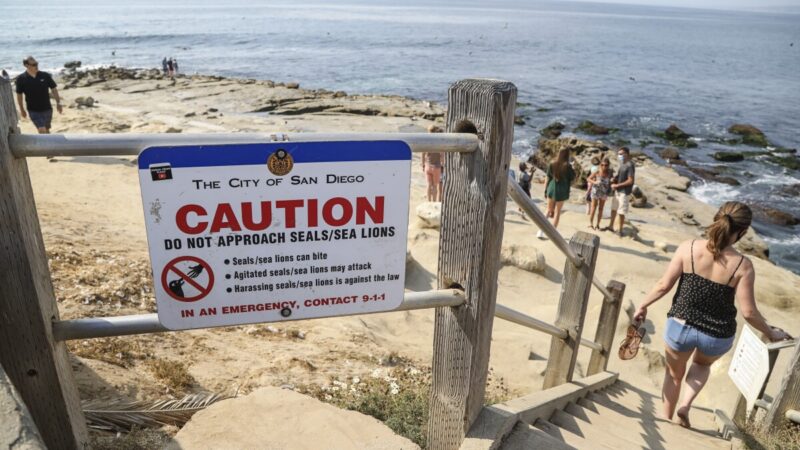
x: 396, y: 396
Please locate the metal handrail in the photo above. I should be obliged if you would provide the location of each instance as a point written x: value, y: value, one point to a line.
x: 95, y: 327
x: 33, y: 145
x: 521, y: 198
x: 506, y: 313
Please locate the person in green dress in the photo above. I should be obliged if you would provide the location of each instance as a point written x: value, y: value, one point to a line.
x: 559, y: 178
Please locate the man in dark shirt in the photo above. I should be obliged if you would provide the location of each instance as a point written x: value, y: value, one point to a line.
x: 622, y: 187
x: 36, y: 87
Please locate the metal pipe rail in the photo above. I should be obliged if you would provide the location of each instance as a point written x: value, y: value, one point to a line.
x: 37, y: 145
x: 521, y: 198
x: 506, y: 313
x: 96, y: 327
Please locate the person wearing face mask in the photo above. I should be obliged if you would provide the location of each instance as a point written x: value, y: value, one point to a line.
x: 701, y: 323
x: 622, y: 187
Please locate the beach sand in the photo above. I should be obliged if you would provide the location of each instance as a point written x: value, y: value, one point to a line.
x: 92, y: 220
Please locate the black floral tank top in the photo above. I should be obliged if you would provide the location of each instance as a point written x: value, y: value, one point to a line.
x: 705, y: 304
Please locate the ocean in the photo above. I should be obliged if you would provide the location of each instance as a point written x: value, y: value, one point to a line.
x: 634, y: 68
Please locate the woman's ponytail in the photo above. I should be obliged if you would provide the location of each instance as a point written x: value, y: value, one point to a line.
x: 732, y: 219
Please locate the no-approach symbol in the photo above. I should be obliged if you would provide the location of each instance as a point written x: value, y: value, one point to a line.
x: 187, y: 279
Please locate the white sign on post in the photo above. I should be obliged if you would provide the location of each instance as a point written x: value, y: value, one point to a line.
x: 750, y: 365
x: 267, y: 232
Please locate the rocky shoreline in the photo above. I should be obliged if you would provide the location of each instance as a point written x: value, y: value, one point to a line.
x: 287, y: 100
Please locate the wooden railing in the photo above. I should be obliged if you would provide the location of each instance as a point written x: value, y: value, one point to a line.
x: 478, y: 151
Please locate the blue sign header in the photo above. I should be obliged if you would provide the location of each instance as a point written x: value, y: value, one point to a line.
x: 252, y: 154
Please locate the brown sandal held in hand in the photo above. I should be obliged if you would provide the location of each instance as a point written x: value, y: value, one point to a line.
x: 629, y: 346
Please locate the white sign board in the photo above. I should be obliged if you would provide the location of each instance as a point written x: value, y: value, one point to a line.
x: 267, y: 232
x: 750, y: 365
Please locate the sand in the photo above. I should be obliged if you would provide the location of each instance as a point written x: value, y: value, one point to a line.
x: 92, y: 220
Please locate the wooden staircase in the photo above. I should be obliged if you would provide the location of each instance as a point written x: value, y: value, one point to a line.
x: 619, y: 416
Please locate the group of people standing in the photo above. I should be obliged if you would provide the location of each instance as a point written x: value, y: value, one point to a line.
x: 169, y: 66
x: 603, y: 183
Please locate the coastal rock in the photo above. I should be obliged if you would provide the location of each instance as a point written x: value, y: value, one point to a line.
x: 677, y: 137
x: 791, y: 190
x: 525, y: 257
x: 296, y: 421
x: 292, y: 85
x: 173, y: 130
x: 712, y: 175
x: 85, y: 102
x: 688, y: 218
x: 549, y: 148
x: 589, y: 127
x: 674, y: 133
x: 72, y: 64
x: 669, y: 153
x: 773, y: 215
x: 728, y: 156
x: 552, y: 131
x: 430, y: 214
x: 519, y: 120
x: 789, y: 161
x: 661, y: 246
x: 639, y: 199
x: 339, y: 94
x: 750, y: 134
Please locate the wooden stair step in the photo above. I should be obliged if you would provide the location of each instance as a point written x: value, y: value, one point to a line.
x: 527, y: 437
x: 569, y: 437
x: 601, y: 431
x: 652, y: 428
x: 702, y: 420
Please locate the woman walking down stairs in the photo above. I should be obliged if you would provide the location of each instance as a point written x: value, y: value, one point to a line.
x: 619, y: 417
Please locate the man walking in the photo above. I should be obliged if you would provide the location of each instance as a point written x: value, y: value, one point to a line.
x: 36, y: 86
x: 622, y: 188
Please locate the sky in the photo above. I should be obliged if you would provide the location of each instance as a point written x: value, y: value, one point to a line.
x: 715, y: 4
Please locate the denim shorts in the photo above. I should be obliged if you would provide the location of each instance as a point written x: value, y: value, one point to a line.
x: 683, y: 338
x: 41, y: 119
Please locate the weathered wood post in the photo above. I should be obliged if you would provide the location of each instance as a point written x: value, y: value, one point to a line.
x: 788, y: 397
x: 575, y: 288
x: 606, y: 327
x: 36, y: 364
x: 473, y: 212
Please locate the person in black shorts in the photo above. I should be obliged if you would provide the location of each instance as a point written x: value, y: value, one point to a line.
x: 36, y: 87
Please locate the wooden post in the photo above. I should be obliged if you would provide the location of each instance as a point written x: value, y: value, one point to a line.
x: 575, y: 288
x: 606, y: 327
x: 473, y: 214
x: 788, y: 397
x: 36, y: 364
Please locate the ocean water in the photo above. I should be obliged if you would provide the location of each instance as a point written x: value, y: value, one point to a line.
x: 635, y: 68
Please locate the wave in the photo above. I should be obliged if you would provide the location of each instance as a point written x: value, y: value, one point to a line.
x: 714, y: 193
x: 107, y: 39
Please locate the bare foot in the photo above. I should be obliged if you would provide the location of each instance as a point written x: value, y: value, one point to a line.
x: 682, y: 417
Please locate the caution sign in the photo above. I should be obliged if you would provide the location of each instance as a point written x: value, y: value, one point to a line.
x: 250, y: 233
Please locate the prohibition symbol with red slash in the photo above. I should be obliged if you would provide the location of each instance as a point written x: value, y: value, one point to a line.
x: 187, y: 278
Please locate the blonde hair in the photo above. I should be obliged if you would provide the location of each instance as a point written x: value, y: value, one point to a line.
x: 732, y: 219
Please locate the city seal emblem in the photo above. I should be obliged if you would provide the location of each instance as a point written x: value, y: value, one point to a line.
x: 280, y: 163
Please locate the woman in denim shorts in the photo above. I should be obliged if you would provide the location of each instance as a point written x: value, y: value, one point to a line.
x: 701, y: 323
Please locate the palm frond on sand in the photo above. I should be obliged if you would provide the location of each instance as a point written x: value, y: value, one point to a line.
x: 129, y: 415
